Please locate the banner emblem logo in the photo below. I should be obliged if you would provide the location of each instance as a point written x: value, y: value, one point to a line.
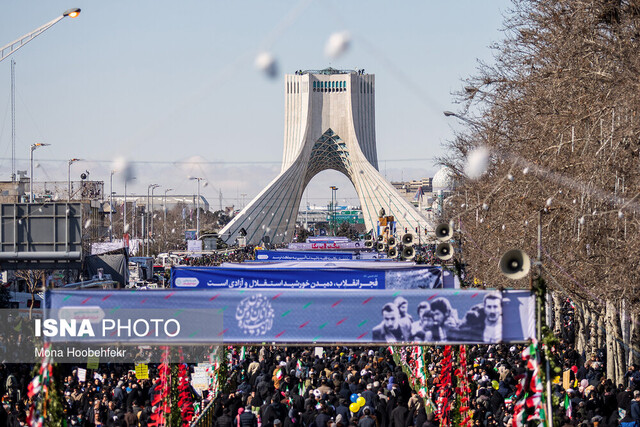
x: 255, y: 315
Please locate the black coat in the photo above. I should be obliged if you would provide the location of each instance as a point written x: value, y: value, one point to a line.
x: 400, y: 417
x: 224, y: 421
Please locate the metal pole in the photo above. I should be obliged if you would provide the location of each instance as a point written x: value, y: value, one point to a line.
x: 331, y: 215
x: 164, y: 204
x: 198, y: 213
x: 124, y: 213
x: 111, y: 207
x: 152, y: 210
x: 69, y: 181
x: 549, y: 402
x: 31, y: 178
x: 146, y: 234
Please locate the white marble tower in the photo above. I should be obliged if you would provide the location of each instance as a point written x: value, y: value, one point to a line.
x: 329, y: 124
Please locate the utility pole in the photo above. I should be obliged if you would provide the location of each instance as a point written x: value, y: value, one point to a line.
x: 13, y: 120
x: 111, y: 207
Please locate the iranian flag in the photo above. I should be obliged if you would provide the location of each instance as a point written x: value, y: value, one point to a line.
x: 567, y: 405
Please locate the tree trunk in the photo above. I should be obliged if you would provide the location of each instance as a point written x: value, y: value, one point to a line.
x: 580, y: 325
x: 625, y: 326
x: 593, y: 329
x: 557, y: 313
x: 33, y: 301
x: 600, y: 317
x: 615, y: 345
x: 634, y: 339
x: 621, y: 346
x: 610, y: 308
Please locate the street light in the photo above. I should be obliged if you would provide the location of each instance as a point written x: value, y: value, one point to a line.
x: 111, y: 206
x: 33, y: 148
x: 71, y: 161
x: 150, y: 187
x: 334, y: 190
x: 164, y: 209
x: 7, y: 50
x: 151, y: 213
x: 197, y: 208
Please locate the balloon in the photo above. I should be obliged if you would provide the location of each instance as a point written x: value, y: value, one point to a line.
x: 495, y: 384
x: 354, y: 407
x: 361, y: 401
x: 354, y: 398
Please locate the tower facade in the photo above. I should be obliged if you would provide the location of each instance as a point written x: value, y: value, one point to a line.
x: 329, y: 124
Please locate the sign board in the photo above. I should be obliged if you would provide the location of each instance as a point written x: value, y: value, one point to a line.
x: 194, y: 245
x: 311, y: 317
x: 142, y: 371
x: 82, y: 375
x: 370, y: 275
x: 263, y: 255
x: 93, y: 362
x: 334, y: 246
x: 49, y: 233
x: 200, y: 377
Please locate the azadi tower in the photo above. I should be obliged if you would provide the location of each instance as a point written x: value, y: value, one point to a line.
x: 329, y: 124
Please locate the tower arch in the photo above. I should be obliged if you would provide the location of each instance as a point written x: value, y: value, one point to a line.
x: 329, y: 124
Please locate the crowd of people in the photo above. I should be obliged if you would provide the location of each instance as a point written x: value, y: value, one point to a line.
x: 298, y: 387
x: 315, y: 387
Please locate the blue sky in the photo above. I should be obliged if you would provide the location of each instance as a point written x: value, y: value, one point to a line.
x: 161, y: 82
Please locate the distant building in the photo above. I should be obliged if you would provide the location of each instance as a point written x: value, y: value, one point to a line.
x: 412, y: 191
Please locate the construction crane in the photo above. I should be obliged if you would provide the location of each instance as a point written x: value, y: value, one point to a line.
x: 7, y: 50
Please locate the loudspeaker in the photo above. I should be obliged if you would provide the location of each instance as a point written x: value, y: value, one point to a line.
x: 368, y: 237
x: 392, y: 253
x: 391, y: 241
x: 243, y: 232
x: 368, y: 243
x: 515, y: 264
x: 408, y: 239
x: 380, y: 238
x: 380, y: 247
x: 266, y: 240
x: 444, y: 251
x: 408, y: 253
x: 444, y: 232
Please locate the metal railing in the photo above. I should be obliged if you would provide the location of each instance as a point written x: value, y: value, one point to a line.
x: 206, y: 418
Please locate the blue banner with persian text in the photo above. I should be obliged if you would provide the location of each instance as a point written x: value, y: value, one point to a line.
x: 263, y: 255
x: 292, y: 316
x: 296, y: 277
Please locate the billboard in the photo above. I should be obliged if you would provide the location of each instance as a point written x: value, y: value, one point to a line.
x: 326, y: 246
x: 48, y: 233
x: 263, y: 255
x: 368, y: 275
x: 296, y: 316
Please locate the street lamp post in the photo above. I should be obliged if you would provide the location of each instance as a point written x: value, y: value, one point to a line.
x: 146, y: 223
x: 151, y: 213
x: 197, y: 208
x: 71, y: 161
x: 124, y: 212
x: 33, y: 148
x: 7, y: 50
x: 111, y: 207
x: 334, y: 199
x: 164, y: 209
